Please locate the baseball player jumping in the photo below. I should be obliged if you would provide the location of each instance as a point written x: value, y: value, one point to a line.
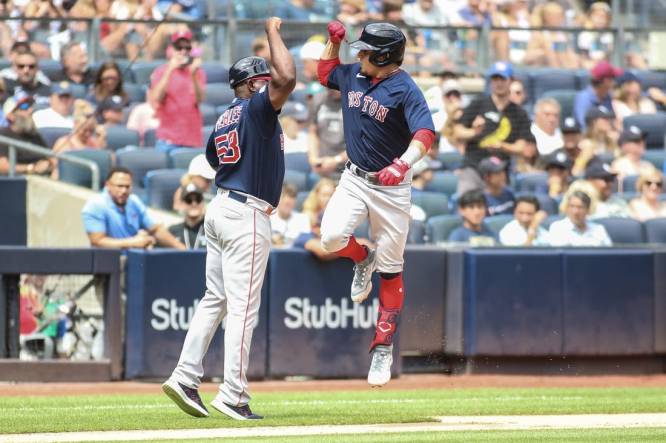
x: 247, y: 150
x: 387, y: 128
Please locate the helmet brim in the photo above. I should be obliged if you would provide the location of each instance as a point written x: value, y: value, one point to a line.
x: 363, y: 46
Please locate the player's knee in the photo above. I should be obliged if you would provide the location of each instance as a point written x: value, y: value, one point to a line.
x: 333, y: 241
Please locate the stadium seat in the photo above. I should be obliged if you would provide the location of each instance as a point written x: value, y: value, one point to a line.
x: 141, y: 71
x: 205, y: 134
x: 566, y: 99
x: 297, y: 161
x: 657, y: 157
x: 550, y: 219
x: 296, y: 178
x: 655, y: 230
x: 300, y: 198
x: 443, y: 181
x: 432, y: 203
x: 551, y: 79
x: 652, y: 124
x: 651, y: 79
x: 51, y: 68
x: 140, y: 161
x: 548, y: 204
x: 439, y: 228
x: 623, y: 230
x: 149, y: 138
x: 531, y: 182
x: 118, y: 137
x: 417, y: 232
x: 180, y: 158
x: 208, y: 113
x: 497, y: 222
x: 160, y: 186
x: 451, y: 160
x: 79, y: 175
x: 218, y: 94
x: 135, y: 93
x: 629, y: 183
x: 582, y: 79
x: 50, y: 135
x: 629, y: 196
x: 313, y: 179
x: 79, y: 91
x: 216, y: 72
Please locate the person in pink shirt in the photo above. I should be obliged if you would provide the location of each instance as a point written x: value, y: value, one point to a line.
x: 176, y: 90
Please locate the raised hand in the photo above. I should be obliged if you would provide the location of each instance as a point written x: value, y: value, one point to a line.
x: 273, y: 23
x: 394, y: 173
x: 336, y: 32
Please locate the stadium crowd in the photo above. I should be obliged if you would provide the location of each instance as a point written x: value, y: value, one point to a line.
x: 558, y: 136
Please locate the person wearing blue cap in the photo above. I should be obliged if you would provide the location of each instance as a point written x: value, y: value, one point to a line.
x: 630, y: 99
x: 491, y: 126
x: 60, y: 112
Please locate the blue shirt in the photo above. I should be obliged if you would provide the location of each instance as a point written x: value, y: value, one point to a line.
x: 379, y: 120
x: 462, y: 234
x: 302, y: 239
x: 101, y: 214
x: 502, y: 204
x: 247, y: 148
x: 587, y: 99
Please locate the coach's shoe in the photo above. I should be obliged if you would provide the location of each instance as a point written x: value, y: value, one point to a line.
x: 235, y: 412
x: 380, y: 368
x: 186, y: 398
x: 362, y: 283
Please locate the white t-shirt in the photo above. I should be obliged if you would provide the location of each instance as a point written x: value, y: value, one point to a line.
x: 291, y: 228
x: 514, y: 234
x: 48, y: 118
x: 547, y: 143
x: 565, y: 233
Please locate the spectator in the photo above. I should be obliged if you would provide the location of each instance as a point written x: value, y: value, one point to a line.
x: 86, y: 133
x: 629, y: 99
x: 260, y: 48
x: 181, y: 9
x: 191, y: 231
x: 177, y: 89
x: 632, y: 144
x: 310, y: 53
x: 293, y: 119
x: 528, y: 160
x: 38, y: 31
x: 11, y: 72
x: 648, y: 205
x: 427, y: 13
x: 75, y: 69
x: 572, y: 136
x: 600, y: 138
x: 318, y: 198
x: 525, y: 228
x: 311, y: 242
x: 601, y: 176
x: 512, y: 45
x: 491, y: 125
x: 596, y: 46
x: 451, y: 109
x: 286, y: 223
x: 602, y: 80
x: 201, y: 175
x: 545, y: 127
x: 25, y: 68
x: 60, y: 112
x: 110, y: 111
x: 474, y: 14
x: 18, y: 112
x: 499, y: 199
x: 575, y: 229
x: 142, y: 117
x: 116, y: 218
x: 108, y: 82
x: 115, y: 36
x: 146, y: 37
x: 327, y: 153
x: 517, y: 92
x: 558, y: 167
x: 299, y: 10
x: 352, y: 12
x: 551, y: 48
x: 472, y: 208
x: 3, y: 97
x: 421, y: 175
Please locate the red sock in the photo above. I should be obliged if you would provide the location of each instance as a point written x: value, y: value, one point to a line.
x: 391, y: 296
x: 353, y: 250
x: 391, y: 292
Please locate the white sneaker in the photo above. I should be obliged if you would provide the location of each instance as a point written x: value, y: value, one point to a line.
x: 380, y: 368
x: 362, y: 283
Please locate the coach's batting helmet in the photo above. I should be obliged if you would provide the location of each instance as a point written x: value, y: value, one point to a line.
x: 247, y: 68
x: 386, y: 41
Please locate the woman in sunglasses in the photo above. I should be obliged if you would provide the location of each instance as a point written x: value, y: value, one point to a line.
x: 109, y: 82
x: 647, y: 206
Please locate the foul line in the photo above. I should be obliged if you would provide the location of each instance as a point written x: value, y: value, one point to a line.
x: 468, y: 423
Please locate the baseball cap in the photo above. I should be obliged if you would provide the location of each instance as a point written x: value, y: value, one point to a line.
x: 312, y: 50
x: 296, y: 110
x: 596, y: 112
x: 558, y: 159
x: 189, y: 189
x: 632, y: 134
x: 503, y: 69
x: 15, y: 101
x: 62, y: 88
x: 111, y: 103
x: 570, y: 126
x: 181, y: 35
x: 603, y: 70
x: 491, y: 164
x: 199, y: 166
x: 451, y: 85
x: 597, y: 169
x: 627, y: 77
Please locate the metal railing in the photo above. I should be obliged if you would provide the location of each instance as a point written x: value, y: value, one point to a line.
x: 16, y: 144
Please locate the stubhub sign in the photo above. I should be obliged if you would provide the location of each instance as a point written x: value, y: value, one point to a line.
x: 303, y: 313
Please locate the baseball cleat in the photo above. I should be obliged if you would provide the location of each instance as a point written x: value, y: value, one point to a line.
x: 380, y: 368
x: 362, y: 283
x: 185, y: 398
x: 235, y: 412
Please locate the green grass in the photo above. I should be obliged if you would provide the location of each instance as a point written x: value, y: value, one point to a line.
x: 122, y: 412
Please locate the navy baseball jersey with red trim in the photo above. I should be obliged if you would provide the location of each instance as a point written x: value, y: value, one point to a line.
x: 380, y: 119
x: 246, y: 148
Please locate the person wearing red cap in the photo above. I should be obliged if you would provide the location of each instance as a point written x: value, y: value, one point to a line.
x: 176, y: 90
x: 602, y: 80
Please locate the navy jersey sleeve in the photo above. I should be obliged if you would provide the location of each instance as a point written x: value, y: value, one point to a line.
x: 338, y: 77
x: 260, y: 110
x: 417, y: 113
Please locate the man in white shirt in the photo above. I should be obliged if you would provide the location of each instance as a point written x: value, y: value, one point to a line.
x: 602, y: 177
x: 545, y: 127
x: 525, y: 229
x: 575, y: 230
x: 59, y: 113
x: 287, y: 224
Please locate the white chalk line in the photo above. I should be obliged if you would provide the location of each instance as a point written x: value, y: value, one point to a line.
x: 461, y: 423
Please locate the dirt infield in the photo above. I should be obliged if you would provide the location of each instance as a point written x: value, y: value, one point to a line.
x: 412, y: 381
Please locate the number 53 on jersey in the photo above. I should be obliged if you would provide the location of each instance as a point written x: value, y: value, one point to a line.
x: 227, y: 147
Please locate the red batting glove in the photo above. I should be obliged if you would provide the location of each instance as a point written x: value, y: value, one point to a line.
x: 394, y: 173
x: 336, y: 32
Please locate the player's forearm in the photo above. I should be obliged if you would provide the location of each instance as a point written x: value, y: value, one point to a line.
x: 420, y: 144
x: 331, y: 51
x: 283, y: 68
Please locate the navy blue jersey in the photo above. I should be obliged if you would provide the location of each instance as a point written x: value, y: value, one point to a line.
x: 247, y: 148
x: 379, y: 120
